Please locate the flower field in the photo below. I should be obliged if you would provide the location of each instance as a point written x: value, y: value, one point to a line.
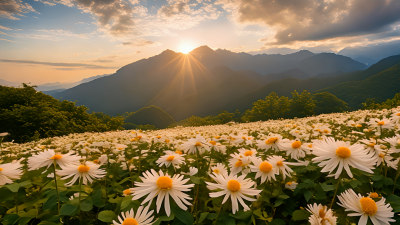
x: 328, y: 169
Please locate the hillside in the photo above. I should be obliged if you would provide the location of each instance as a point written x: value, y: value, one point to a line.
x: 199, y: 83
x: 380, y: 85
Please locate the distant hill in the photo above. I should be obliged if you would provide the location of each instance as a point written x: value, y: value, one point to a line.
x: 350, y: 87
x: 51, y: 88
x: 198, y: 83
x: 382, y: 81
x: 149, y: 115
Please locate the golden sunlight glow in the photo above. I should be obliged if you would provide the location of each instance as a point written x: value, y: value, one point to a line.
x: 186, y: 47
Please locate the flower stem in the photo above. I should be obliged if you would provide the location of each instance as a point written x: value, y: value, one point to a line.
x: 55, y: 182
x: 334, y: 195
x: 80, y: 193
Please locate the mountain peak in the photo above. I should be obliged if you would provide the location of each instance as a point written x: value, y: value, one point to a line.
x: 204, y: 49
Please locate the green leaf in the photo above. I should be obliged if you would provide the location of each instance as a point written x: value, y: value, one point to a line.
x: 277, y: 222
x: 307, y: 195
x: 164, y: 218
x: 68, y: 210
x: 14, y: 187
x: 300, y: 215
x: 195, y: 180
x: 182, y: 215
x: 226, y: 219
x: 106, y: 216
x: 203, y: 216
x: 87, y: 205
x: 98, y: 199
x: 242, y: 215
x: 327, y: 187
x: 10, y: 219
x: 394, y: 201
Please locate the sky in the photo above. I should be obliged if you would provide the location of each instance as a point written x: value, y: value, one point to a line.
x: 45, y: 41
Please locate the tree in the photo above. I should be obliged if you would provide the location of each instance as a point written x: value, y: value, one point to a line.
x: 272, y: 107
x: 302, y: 105
x: 28, y: 115
x: 326, y: 102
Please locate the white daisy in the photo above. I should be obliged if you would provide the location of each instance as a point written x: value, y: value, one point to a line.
x: 48, y: 157
x: 171, y: 158
x: 366, y: 207
x: 273, y: 141
x: 87, y: 172
x: 320, y: 215
x: 143, y: 217
x: 193, y: 145
x: 333, y: 154
x: 163, y: 186
x: 9, y: 172
x: 235, y: 187
x: 280, y: 166
x: 263, y: 169
x: 294, y: 149
x: 219, y: 168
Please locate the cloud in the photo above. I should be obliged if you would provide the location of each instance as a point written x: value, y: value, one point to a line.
x: 5, y: 28
x: 175, y: 7
x: 12, y: 9
x: 314, y: 20
x: 139, y: 43
x: 115, y: 16
x: 60, y: 66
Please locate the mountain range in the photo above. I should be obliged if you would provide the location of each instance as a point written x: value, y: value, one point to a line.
x: 204, y: 81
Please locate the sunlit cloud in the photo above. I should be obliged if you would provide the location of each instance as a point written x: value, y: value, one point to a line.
x: 60, y: 65
x: 315, y: 20
x: 14, y: 9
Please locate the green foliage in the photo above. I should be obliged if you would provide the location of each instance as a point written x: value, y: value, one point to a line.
x: 29, y: 115
x: 302, y: 104
x: 371, y: 103
x: 326, y: 102
x: 149, y: 117
x: 272, y: 107
x: 222, y: 118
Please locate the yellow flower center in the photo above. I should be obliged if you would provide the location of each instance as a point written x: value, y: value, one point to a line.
x: 239, y: 163
x: 296, y: 144
x: 217, y: 137
x: 398, y: 114
x: 270, y: 141
x: 120, y: 148
x: 139, y: 137
x: 56, y: 157
x: 322, y: 213
x: 343, y: 152
x: 368, y: 206
x: 265, y: 167
x: 213, y: 142
x: 130, y: 221
x: 167, y: 141
x: 374, y: 195
x: 248, y: 153
x: 159, y: 137
x: 1, y: 169
x: 358, y: 125
x: 179, y: 152
x: 96, y: 161
x: 197, y: 144
x: 310, y: 145
x: 381, y: 155
x: 233, y: 185
x: 381, y: 123
x: 244, y: 138
x: 127, y: 191
x: 83, y: 169
x: 170, y: 158
x: 164, y: 183
x: 279, y: 163
x: 216, y: 171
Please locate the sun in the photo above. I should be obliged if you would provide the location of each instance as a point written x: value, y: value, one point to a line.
x: 186, y: 47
